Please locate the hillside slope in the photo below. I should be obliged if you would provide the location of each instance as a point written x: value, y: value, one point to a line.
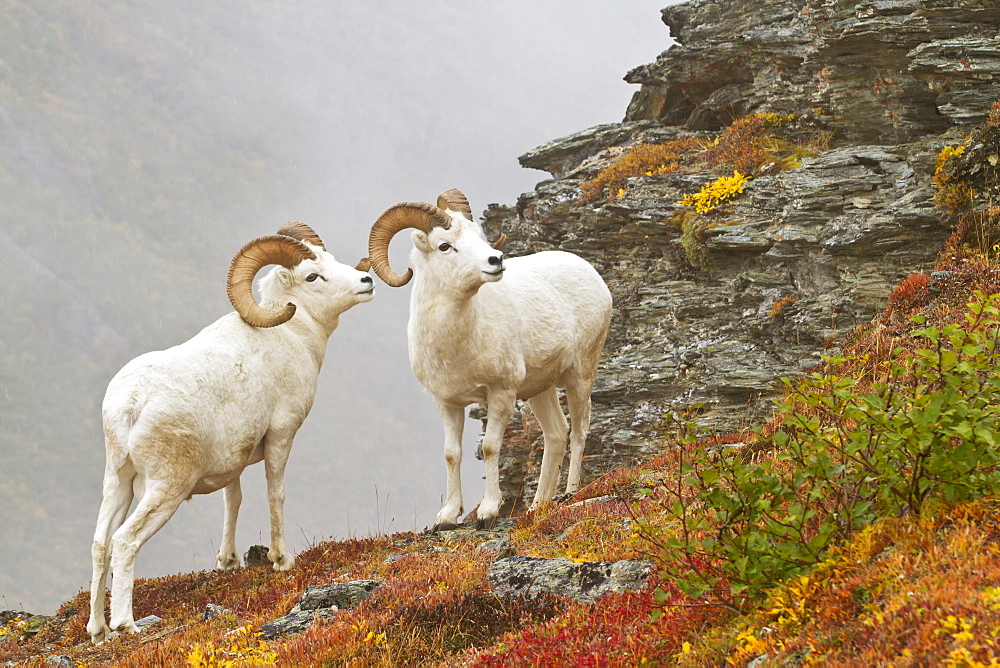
x: 794, y: 206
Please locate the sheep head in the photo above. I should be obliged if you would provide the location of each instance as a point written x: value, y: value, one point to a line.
x: 419, y: 216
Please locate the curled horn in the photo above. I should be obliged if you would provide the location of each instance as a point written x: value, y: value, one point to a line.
x: 418, y: 215
x: 255, y: 255
x: 302, y: 232
x: 455, y: 200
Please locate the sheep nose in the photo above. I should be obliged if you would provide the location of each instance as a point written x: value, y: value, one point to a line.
x: 495, y: 260
x: 366, y: 279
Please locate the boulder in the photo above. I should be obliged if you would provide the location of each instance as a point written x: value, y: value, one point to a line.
x: 535, y: 577
x: 320, y: 602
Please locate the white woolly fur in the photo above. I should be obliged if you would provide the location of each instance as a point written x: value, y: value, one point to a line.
x: 485, y: 329
x: 189, y: 419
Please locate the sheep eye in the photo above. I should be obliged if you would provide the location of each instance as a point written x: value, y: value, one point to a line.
x: 444, y: 246
x: 312, y: 277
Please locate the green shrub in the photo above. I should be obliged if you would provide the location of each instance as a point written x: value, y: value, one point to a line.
x: 844, y: 456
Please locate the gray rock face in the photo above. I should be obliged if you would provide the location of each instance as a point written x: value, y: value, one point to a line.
x: 803, y: 255
x: 294, y: 622
x: 320, y: 602
x: 533, y: 577
x: 887, y: 71
x: 340, y: 595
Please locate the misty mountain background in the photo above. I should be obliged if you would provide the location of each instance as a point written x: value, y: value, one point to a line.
x: 142, y: 143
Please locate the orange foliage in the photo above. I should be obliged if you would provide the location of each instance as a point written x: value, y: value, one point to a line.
x: 743, y: 146
x: 909, y: 295
x: 641, y: 160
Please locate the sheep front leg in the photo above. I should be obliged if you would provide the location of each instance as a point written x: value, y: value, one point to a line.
x: 499, y: 409
x: 229, y: 559
x: 275, y: 458
x: 453, y: 418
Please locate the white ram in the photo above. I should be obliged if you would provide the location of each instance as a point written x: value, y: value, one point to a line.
x: 476, y: 338
x: 189, y: 419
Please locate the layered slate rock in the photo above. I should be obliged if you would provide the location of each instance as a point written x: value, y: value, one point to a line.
x: 802, y: 256
x: 536, y: 577
x: 320, y: 602
x: 340, y: 595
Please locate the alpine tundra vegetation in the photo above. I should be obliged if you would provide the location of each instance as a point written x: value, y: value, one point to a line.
x: 845, y: 516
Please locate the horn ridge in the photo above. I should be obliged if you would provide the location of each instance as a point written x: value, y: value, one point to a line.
x: 250, y: 259
x: 302, y: 232
x: 455, y: 200
x: 417, y: 215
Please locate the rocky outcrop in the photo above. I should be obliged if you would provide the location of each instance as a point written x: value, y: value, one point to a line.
x: 534, y: 577
x: 803, y: 255
x: 320, y: 602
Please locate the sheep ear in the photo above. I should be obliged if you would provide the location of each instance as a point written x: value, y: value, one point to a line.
x: 420, y: 241
x: 284, y: 276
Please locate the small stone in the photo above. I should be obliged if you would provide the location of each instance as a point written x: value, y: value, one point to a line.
x: 256, y: 556
x: 147, y: 621
x: 212, y: 611
x: 500, y: 546
x: 438, y: 549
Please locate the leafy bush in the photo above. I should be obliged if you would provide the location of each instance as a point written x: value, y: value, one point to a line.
x: 842, y: 457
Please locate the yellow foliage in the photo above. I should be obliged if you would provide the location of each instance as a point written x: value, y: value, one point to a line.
x: 952, y: 195
x: 245, y: 649
x: 715, y: 193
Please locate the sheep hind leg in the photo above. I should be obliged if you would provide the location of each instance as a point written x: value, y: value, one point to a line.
x: 453, y: 418
x: 114, y: 507
x: 555, y: 430
x: 229, y: 559
x: 578, y: 400
x: 156, y: 507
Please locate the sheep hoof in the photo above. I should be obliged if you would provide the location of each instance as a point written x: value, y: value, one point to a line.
x: 443, y: 526
x: 126, y: 627
x: 228, y: 563
x: 485, y: 523
x: 99, y: 636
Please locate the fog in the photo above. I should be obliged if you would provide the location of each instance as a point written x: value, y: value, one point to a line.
x: 144, y: 142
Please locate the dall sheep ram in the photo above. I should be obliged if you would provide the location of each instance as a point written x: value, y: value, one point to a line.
x: 189, y: 419
x: 476, y: 338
